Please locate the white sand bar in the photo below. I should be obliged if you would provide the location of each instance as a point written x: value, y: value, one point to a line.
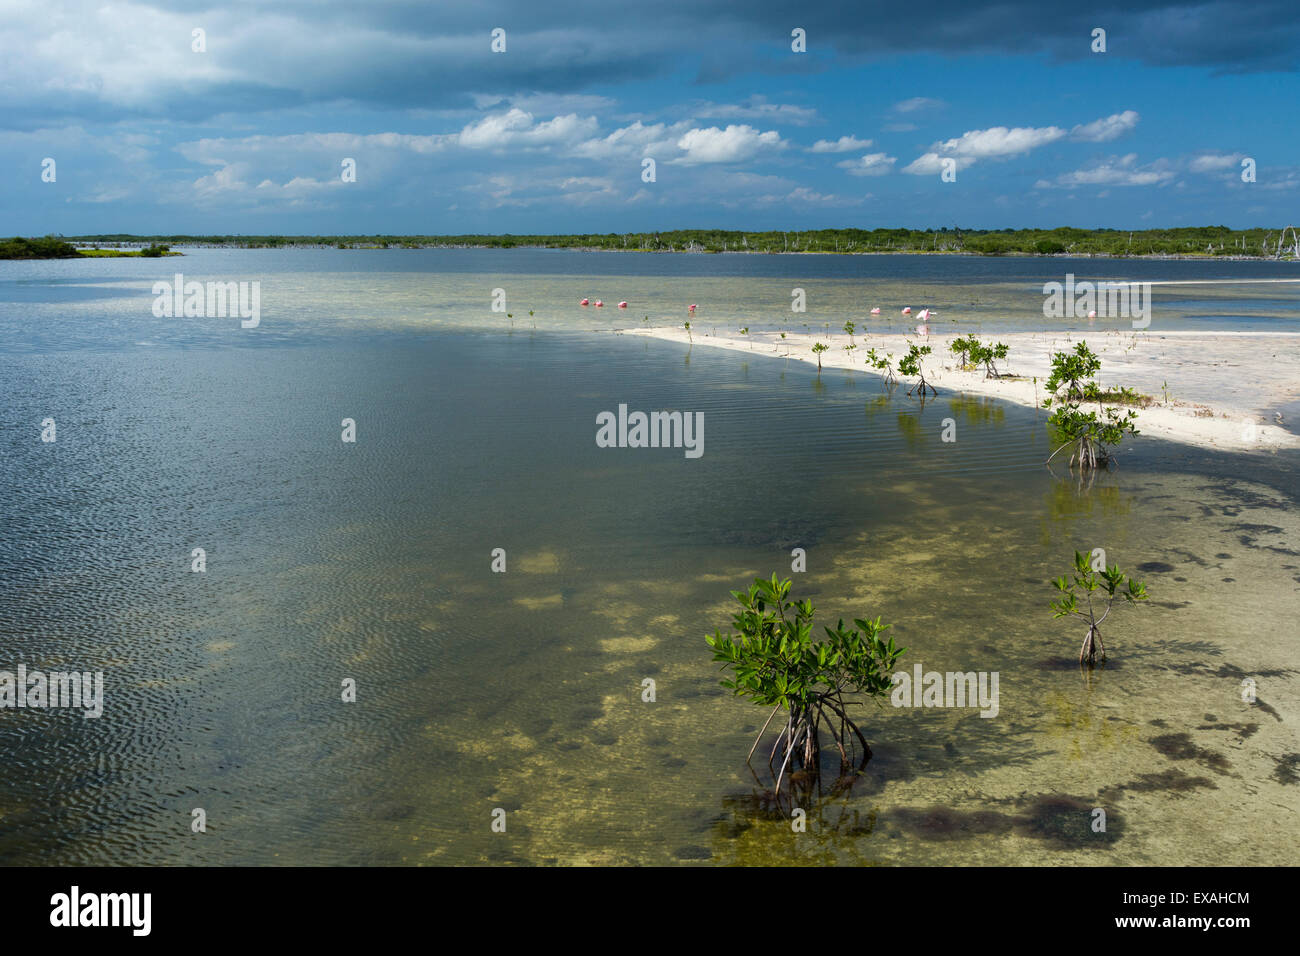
x: 1223, y: 387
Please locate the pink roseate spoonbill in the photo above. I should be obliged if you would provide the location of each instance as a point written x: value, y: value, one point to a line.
x: 691, y: 308
x: 1092, y: 315
x: 876, y: 310
x: 623, y: 304
x: 584, y: 302
x: 907, y: 310
x: 599, y: 304
x: 924, y: 316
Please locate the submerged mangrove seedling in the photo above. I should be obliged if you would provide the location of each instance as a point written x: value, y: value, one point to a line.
x: 818, y: 348
x: 910, y: 364
x: 775, y: 662
x: 745, y: 332
x: 1087, y: 583
x: 688, y: 333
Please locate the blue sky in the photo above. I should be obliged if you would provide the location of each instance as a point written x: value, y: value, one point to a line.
x: 448, y: 136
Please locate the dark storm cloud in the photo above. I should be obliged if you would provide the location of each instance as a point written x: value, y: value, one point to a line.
x: 435, y: 55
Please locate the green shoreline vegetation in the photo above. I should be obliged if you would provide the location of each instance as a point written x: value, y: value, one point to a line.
x: 1191, y: 242
x: 56, y: 247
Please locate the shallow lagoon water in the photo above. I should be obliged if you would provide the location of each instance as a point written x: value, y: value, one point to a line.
x: 311, y: 294
x: 523, y: 690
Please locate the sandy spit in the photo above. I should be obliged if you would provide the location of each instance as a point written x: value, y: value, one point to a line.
x: 1211, y: 389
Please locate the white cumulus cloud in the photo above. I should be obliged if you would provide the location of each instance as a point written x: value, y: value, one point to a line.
x: 1215, y: 162
x: 845, y: 144
x: 999, y: 141
x: 1106, y: 129
x: 872, y: 164
x: 1115, y: 171
x: 731, y: 145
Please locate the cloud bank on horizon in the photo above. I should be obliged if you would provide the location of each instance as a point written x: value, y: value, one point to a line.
x: 507, y: 117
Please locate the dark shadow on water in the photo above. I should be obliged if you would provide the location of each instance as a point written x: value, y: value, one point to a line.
x: 1059, y: 821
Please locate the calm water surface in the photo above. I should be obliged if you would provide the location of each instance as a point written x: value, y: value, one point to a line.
x: 522, y: 690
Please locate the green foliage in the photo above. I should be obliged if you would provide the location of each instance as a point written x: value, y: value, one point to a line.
x: 882, y: 363
x: 1071, y: 374
x: 818, y: 348
x: 1195, y: 241
x: 1086, y: 592
x: 49, y: 247
x: 975, y: 353
x: 910, y: 364
x: 1090, y: 435
x: 774, y: 661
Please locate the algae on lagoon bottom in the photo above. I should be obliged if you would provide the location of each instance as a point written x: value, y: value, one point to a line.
x: 522, y: 691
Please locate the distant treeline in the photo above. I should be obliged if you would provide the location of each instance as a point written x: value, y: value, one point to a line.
x: 56, y: 247
x: 1194, y: 241
x: 45, y: 248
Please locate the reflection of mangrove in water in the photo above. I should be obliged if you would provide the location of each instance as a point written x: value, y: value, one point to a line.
x: 1070, y: 504
x: 909, y: 426
x: 977, y: 410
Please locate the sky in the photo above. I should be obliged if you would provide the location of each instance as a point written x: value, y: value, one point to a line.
x: 499, y: 116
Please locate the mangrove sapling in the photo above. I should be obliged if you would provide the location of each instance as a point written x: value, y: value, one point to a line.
x: 1071, y: 375
x: 910, y: 364
x: 883, y: 363
x: 990, y: 354
x: 775, y: 662
x: 960, y: 347
x: 850, y: 328
x: 1090, y: 436
x: 818, y: 348
x: 689, y: 337
x: 1087, y: 582
x: 849, y: 349
x: 975, y: 353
